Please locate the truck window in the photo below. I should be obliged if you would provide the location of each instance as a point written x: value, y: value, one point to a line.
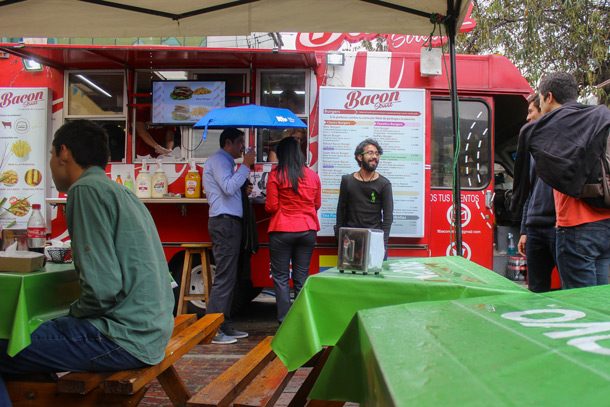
x: 99, y: 97
x: 475, y: 148
x: 286, y: 89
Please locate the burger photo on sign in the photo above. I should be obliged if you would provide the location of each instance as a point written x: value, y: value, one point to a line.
x: 181, y: 113
x: 181, y: 93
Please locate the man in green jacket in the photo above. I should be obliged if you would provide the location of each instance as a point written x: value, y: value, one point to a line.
x: 123, y: 317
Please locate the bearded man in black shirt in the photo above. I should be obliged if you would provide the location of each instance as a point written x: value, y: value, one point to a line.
x: 365, y: 197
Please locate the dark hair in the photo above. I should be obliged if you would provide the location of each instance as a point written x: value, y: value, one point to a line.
x: 535, y: 99
x: 87, y: 141
x: 360, y: 148
x: 229, y: 134
x: 562, y: 85
x: 290, y: 162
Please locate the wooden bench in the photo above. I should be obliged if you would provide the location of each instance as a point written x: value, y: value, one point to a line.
x: 123, y: 388
x: 258, y: 379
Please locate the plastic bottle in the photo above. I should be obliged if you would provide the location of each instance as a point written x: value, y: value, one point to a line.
x: 143, y: 182
x: 511, y: 249
x: 129, y: 182
x: 36, y: 230
x: 159, y: 182
x: 192, y: 183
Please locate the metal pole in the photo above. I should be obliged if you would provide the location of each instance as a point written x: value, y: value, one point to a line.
x: 450, y: 25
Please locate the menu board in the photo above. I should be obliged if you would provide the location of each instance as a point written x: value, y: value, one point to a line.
x: 24, y: 126
x: 185, y: 102
x: 396, y: 119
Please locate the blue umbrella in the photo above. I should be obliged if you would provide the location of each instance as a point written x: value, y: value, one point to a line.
x: 249, y: 116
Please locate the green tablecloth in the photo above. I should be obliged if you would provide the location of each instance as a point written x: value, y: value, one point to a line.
x: 329, y: 300
x: 509, y: 350
x: 29, y: 299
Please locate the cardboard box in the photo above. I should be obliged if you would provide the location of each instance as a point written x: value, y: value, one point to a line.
x: 21, y: 261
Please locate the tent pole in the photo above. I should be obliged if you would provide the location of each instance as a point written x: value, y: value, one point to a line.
x: 450, y: 25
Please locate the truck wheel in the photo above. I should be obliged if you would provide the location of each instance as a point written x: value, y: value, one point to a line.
x: 197, y: 286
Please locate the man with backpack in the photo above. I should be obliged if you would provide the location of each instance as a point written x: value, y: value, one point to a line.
x: 568, y: 144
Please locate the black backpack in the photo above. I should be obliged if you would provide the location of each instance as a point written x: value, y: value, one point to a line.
x: 596, y: 191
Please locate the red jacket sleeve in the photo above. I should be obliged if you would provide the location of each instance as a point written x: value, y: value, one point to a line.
x: 272, y: 202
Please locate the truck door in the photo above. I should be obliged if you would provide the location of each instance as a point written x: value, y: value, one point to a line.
x: 475, y: 175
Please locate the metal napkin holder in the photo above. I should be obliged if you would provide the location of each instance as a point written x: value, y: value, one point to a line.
x: 361, y: 250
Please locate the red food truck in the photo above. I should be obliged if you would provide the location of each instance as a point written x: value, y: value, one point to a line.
x: 343, y: 97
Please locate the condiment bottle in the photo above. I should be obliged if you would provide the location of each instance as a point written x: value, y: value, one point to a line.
x: 36, y: 230
x: 159, y: 182
x: 143, y: 182
x: 128, y: 182
x: 192, y: 183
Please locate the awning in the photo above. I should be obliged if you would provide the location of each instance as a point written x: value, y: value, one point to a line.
x: 178, y: 18
x: 158, y: 57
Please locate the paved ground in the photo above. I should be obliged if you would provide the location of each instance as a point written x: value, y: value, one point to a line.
x: 200, y: 366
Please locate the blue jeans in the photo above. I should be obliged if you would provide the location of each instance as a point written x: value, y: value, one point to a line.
x: 61, y: 345
x: 287, y: 247
x: 540, y: 250
x: 583, y: 254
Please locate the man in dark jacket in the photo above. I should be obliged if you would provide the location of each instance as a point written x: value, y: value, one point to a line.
x: 537, y: 241
x: 566, y: 144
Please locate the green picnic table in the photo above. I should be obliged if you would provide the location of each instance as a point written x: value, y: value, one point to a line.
x: 530, y: 350
x: 29, y: 299
x: 329, y: 300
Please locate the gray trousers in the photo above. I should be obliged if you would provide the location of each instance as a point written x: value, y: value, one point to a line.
x: 226, y: 244
x: 287, y: 247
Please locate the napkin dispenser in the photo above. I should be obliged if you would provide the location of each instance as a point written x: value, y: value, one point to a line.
x: 21, y: 261
x: 360, y: 250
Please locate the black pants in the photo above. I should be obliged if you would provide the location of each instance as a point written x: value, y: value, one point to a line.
x: 226, y: 244
x: 286, y: 247
x: 541, y: 255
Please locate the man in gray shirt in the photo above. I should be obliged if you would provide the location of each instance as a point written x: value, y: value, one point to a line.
x: 223, y: 190
x: 365, y: 196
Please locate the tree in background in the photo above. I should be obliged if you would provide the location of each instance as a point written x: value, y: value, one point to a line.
x: 541, y: 36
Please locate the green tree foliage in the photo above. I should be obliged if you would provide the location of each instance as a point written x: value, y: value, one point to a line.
x: 542, y: 36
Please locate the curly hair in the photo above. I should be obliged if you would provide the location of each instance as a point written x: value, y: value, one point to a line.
x: 360, y: 148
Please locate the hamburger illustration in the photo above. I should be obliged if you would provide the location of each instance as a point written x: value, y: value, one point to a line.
x: 181, y: 113
x: 33, y: 177
x: 181, y: 93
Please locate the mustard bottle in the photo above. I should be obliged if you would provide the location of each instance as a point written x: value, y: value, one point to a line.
x: 192, y: 183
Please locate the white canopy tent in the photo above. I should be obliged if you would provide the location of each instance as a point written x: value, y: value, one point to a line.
x: 180, y: 18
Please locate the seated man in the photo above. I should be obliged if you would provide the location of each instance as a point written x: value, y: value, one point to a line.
x: 123, y: 317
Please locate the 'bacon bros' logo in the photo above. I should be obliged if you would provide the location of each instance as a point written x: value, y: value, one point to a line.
x: 585, y: 335
x: 378, y: 100
x: 28, y: 99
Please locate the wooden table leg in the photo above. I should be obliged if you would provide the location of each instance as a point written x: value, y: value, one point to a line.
x: 174, y: 386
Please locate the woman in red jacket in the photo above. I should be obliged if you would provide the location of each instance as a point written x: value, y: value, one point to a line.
x: 293, y: 198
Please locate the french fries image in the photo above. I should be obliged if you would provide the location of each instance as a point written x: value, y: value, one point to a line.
x: 202, y: 91
x: 21, y: 148
x: 9, y: 177
x: 19, y: 207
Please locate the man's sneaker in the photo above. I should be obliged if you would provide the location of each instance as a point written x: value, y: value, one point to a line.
x: 223, y: 339
x: 235, y: 333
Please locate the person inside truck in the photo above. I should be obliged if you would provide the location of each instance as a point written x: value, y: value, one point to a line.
x: 365, y: 196
x: 298, y: 134
x: 537, y: 241
x: 151, y: 139
x: 293, y: 199
x: 123, y: 317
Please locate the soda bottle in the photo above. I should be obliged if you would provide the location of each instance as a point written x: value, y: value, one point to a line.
x: 36, y: 230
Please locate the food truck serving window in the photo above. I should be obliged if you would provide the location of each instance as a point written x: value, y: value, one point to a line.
x: 285, y: 89
x: 475, y: 146
x: 99, y: 96
x: 96, y: 93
